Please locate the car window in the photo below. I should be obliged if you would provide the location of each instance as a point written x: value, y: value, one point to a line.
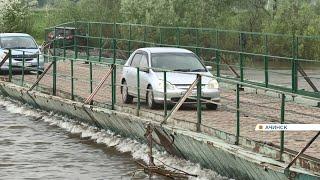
x: 144, y: 61
x: 136, y: 60
x: 177, y: 62
x: 63, y: 32
x: 18, y: 42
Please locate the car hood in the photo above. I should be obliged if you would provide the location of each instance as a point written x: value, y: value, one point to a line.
x: 27, y: 51
x: 179, y: 78
x: 20, y: 51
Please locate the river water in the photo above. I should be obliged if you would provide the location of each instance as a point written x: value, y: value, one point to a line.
x: 41, y: 145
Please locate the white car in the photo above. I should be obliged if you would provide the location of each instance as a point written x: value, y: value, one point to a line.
x: 183, y: 66
x: 19, y: 43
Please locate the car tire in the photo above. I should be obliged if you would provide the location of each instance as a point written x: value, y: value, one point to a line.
x: 150, y: 99
x: 40, y: 72
x: 126, y: 98
x: 212, y: 106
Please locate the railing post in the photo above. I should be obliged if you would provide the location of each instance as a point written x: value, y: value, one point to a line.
x: 197, y: 42
x: 266, y: 62
x: 72, y: 80
x: 178, y: 36
x: 283, y: 99
x: 218, y: 62
x: 129, y: 41
x: 238, y: 114
x: 145, y: 36
x: 10, y: 65
x: 241, y: 57
x: 199, y: 106
x: 100, y: 43
x: 218, y: 55
x: 90, y: 74
x: 138, y: 91
x: 64, y: 43
x: 114, y: 86
x: 54, y: 70
x: 114, y: 71
x: 38, y: 64
x: 75, y: 44
x: 294, y: 64
x: 87, y: 46
x: 165, y: 106
x: 23, y: 63
x: 160, y: 36
x: 114, y: 28
x: 217, y: 39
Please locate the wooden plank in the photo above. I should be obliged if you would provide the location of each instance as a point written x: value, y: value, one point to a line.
x: 181, y: 101
x: 306, y: 77
x: 45, y: 45
x: 96, y: 90
x: 231, y: 68
x: 40, y: 77
x: 302, y: 151
x: 4, y: 59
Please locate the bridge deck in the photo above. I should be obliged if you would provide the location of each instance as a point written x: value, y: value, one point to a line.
x: 255, y: 108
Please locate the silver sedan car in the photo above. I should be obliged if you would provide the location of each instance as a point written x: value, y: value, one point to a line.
x: 182, y: 66
x: 23, y: 47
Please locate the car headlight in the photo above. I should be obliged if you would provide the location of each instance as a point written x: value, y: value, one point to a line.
x: 213, y: 84
x: 169, y: 85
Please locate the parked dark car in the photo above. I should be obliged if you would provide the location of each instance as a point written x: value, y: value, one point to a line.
x: 65, y: 36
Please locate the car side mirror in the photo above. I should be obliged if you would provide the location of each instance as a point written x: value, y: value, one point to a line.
x: 144, y: 69
x: 209, y: 68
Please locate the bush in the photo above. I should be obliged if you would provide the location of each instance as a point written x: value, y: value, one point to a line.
x: 15, y: 15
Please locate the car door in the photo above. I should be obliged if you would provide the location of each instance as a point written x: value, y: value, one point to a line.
x: 144, y: 74
x: 132, y: 74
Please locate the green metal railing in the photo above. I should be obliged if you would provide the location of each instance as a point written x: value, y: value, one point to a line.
x: 245, y: 53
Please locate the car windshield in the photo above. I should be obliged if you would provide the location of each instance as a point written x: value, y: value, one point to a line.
x: 62, y: 32
x: 185, y: 62
x: 17, y: 42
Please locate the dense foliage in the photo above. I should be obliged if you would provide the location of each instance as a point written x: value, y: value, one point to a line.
x: 286, y: 16
x: 15, y: 15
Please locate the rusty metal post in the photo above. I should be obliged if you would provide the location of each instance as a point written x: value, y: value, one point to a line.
x: 150, y: 140
x: 302, y: 151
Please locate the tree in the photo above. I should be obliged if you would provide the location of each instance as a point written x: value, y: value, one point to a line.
x: 15, y: 15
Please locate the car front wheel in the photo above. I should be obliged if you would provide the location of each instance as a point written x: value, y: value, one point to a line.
x: 126, y: 98
x: 212, y: 106
x: 150, y: 99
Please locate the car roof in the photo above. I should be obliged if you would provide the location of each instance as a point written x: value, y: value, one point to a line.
x: 14, y: 35
x: 67, y: 28
x: 165, y: 50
